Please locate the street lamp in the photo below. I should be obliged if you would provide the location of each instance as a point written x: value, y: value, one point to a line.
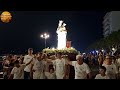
x: 102, y: 50
x: 45, y: 36
x: 113, y: 49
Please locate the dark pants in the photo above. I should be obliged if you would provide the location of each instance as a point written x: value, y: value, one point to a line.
x: 26, y: 75
x: 5, y: 77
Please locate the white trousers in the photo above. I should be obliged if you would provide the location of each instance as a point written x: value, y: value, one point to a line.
x: 38, y: 75
x: 59, y: 76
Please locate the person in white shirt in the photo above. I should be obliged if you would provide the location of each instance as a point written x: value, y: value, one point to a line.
x: 18, y: 70
x: 26, y: 60
x: 102, y: 74
x: 48, y: 63
x: 118, y: 62
x: 82, y: 70
x: 111, y: 68
x: 60, y: 66
x: 38, y: 68
x: 50, y: 74
x: 5, y: 64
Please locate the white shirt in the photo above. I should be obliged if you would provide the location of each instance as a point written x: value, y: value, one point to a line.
x: 111, y: 70
x: 118, y: 61
x: 59, y: 67
x: 50, y: 75
x: 27, y: 59
x: 18, y: 72
x: 38, y: 65
x: 98, y: 76
x: 47, y: 66
x: 81, y: 71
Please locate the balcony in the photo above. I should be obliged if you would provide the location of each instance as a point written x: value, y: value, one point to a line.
x: 107, y: 15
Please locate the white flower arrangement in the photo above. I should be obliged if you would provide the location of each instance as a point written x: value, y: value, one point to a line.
x: 65, y: 51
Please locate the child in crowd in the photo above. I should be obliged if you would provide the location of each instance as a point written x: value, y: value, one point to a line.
x: 50, y: 74
x: 102, y: 74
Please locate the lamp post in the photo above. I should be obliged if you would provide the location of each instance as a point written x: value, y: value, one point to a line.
x: 45, y: 36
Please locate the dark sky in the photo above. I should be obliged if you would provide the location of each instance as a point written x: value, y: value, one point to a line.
x: 84, y: 27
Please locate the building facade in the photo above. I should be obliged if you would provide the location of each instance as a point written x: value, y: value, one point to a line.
x: 111, y: 22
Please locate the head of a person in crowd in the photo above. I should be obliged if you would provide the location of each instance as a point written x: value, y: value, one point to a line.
x: 4, y: 57
x: 48, y: 55
x: 20, y: 61
x: 15, y: 57
x: 102, y: 70
x: 92, y: 57
x: 107, y: 54
x: 35, y: 56
x: 7, y: 56
x: 100, y: 56
x: 108, y: 59
x: 43, y: 56
x: 51, y: 70
x: 39, y: 54
x: 16, y: 63
x: 100, y: 52
x: 52, y: 57
x: 30, y: 51
x: 59, y: 55
x: 10, y: 57
x: 79, y: 59
x: 21, y: 56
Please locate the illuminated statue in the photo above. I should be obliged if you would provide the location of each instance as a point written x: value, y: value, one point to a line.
x: 62, y: 32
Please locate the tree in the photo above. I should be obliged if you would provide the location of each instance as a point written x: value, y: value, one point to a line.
x: 107, y: 42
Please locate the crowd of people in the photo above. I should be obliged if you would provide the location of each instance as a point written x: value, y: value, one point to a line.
x: 43, y: 66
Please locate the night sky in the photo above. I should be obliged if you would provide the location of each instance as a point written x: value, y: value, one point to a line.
x: 84, y: 28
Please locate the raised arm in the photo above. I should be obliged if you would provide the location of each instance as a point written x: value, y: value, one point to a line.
x: 68, y: 62
x: 49, y: 60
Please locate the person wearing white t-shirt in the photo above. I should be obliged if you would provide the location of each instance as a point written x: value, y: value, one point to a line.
x: 38, y: 68
x: 118, y: 63
x: 26, y: 60
x: 111, y: 69
x: 18, y: 70
x: 82, y: 70
x: 102, y: 74
x: 50, y: 74
x: 60, y: 66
